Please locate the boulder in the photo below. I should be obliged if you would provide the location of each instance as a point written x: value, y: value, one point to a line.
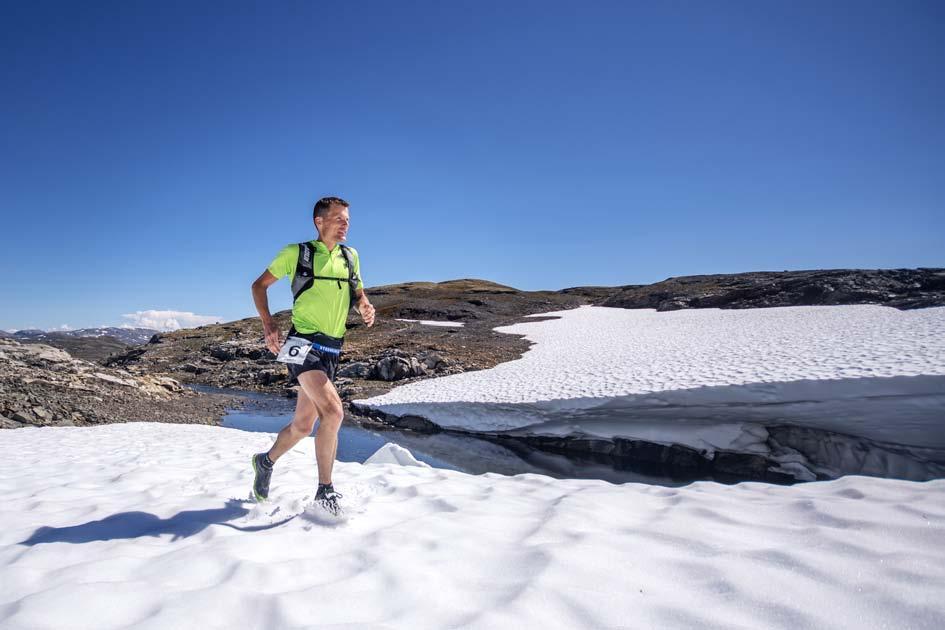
x: 392, y: 368
x: 115, y: 379
x: 431, y: 361
x: 358, y: 369
x: 266, y: 377
x: 224, y: 353
x: 23, y: 417
x: 417, y: 368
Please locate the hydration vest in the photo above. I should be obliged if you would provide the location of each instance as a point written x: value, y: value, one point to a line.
x: 305, y: 276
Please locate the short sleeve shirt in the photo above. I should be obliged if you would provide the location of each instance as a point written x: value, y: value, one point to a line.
x: 324, y: 307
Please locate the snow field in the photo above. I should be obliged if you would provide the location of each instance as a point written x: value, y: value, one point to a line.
x: 698, y: 376
x: 145, y: 526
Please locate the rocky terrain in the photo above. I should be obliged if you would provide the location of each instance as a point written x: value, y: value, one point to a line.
x: 45, y: 386
x: 233, y: 355
x: 898, y: 288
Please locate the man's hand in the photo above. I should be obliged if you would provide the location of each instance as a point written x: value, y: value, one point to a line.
x: 273, y: 337
x: 367, y: 311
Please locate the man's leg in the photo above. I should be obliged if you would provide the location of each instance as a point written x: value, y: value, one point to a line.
x: 316, y: 384
x: 301, y: 426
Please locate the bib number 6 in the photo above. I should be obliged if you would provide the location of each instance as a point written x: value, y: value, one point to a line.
x: 294, y: 350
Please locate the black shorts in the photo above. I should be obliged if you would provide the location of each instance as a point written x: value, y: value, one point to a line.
x: 316, y: 359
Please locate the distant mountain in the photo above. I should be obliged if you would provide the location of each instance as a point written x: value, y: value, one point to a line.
x: 91, y: 344
x: 28, y: 333
x: 130, y: 336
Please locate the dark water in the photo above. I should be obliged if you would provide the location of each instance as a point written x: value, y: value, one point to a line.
x: 269, y: 414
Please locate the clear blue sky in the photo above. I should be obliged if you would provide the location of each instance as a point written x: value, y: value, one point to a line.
x: 157, y: 155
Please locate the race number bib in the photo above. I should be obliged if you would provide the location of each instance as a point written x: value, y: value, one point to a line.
x: 294, y: 350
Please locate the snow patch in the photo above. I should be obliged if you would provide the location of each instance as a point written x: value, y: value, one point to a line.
x: 430, y: 322
x: 710, y: 379
x: 392, y: 453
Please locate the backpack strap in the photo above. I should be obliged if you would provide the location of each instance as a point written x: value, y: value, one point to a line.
x: 353, y: 278
x: 304, y: 276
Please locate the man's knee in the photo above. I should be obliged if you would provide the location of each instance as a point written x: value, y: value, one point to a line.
x: 303, y: 425
x: 332, y: 415
x: 323, y: 394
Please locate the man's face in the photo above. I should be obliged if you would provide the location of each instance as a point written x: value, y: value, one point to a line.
x: 334, y: 225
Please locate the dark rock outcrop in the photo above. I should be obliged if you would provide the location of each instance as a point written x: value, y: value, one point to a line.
x: 898, y: 288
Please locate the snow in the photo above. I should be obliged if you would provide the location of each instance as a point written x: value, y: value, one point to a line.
x: 432, y: 322
x: 392, y: 453
x: 708, y: 378
x: 145, y: 525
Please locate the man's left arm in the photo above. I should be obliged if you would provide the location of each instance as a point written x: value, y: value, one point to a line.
x: 364, y: 307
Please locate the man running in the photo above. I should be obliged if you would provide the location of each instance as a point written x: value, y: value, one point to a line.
x: 325, y: 282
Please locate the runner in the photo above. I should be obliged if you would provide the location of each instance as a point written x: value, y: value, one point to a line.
x: 326, y: 282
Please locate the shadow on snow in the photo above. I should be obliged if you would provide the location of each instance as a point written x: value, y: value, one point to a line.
x: 139, y: 524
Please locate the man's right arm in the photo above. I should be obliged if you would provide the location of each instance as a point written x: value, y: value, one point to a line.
x: 261, y: 299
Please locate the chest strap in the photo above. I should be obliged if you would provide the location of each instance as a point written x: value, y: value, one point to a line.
x: 305, y: 276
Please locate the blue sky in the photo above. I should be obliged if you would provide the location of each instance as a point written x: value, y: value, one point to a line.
x: 156, y: 156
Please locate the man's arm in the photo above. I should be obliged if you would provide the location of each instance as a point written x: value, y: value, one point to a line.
x: 261, y: 299
x: 364, y: 307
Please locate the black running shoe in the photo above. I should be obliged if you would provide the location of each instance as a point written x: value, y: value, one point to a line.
x: 327, y: 498
x: 263, y: 475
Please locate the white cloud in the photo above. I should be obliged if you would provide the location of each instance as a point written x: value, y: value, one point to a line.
x: 170, y: 320
x: 65, y: 327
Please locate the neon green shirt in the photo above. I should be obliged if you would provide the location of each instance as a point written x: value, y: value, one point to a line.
x: 324, y: 307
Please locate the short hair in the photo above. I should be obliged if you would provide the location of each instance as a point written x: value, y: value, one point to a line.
x: 325, y: 203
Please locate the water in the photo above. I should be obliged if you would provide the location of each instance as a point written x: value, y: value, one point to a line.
x: 264, y: 413
x: 267, y: 413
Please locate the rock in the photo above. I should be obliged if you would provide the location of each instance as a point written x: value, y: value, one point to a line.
x: 741, y: 465
x: 392, y: 368
x: 899, y: 288
x: 416, y: 423
x: 266, y: 377
x: 9, y: 423
x: 357, y: 369
x: 25, y: 418
x: 224, y: 353
x: 115, y: 379
x: 431, y: 361
x: 160, y: 386
x: 156, y: 338
x: 417, y: 368
x: 42, y: 352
